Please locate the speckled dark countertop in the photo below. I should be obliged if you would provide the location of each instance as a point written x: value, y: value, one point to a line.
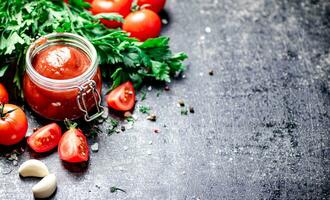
x: 261, y: 123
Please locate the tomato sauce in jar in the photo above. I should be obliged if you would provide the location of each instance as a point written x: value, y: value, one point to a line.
x: 62, y: 78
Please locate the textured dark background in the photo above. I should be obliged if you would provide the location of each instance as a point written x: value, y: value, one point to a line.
x: 261, y: 123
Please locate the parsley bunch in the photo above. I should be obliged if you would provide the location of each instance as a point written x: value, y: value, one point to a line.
x: 121, y: 58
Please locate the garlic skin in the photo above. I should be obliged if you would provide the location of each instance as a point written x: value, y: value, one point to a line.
x: 33, y: 168
x: 46, y: 187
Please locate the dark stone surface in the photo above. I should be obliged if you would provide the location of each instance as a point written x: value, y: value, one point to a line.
x: 261, y: 124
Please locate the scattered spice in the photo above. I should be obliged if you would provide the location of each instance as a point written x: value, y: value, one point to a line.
x: 167, y: 88
x: 152, y: 117
x: 95, y: 147
x: 156, y: 130
x: 191, y: 109
x: 181, y: 103
x: 164, y: 21
x: 211, y: 72
x: 122, y: 128
x: 115, y: 189
x: 127, y: 114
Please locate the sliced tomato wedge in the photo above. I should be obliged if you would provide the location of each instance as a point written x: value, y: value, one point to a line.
x: 122, y: 98
x: 73, y: 146
x: 45, y: 138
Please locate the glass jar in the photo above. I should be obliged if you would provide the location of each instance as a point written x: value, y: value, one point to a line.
x: 71, y: 98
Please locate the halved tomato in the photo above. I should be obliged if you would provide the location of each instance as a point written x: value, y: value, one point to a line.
x: 122, y: 98
x: 45, y: 138
x: 73, y: 146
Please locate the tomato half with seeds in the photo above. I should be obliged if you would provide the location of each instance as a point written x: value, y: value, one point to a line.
x: 45, y: 138
x: 3, y: 95
x: 122, y: 98
x: 13, y: 124
x: 143, y: 24
x: 155, y: 5
x: 121, y: 7
x: 73, y: 146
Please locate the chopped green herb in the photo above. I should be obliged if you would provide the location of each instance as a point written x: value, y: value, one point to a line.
x: 112, y: 125
x: 144, y: 95
x: 144, y: 109
x: 130, y: 119
x: 115, y: 189
x: 184, y: 111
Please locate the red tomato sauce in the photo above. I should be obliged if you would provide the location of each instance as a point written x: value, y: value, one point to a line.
x: 59, y: 62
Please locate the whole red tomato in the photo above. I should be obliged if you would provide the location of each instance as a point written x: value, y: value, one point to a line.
x: 143, y: 24
x: 13, y: 124
x: 3, y: 95
x: 73, y: 145
x: 122, y: 98
x: 121, y: 7
x: 155, y: 5
x: 45, y: 138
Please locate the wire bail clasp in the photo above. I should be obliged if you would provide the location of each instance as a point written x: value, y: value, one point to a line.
x: 84, y: 90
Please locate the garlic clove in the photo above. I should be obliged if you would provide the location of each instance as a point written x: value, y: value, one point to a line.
x: 33, y: 168
x: 46, y: 187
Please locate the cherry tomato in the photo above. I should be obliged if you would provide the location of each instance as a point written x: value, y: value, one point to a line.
x: 155, y: 5
x: 13, y: 124
x: 73, y: 146
x: 3, y: 95
x: 122, y: 98
x: 121, y: 7
x: 143, y: 24
x: 45, y: 138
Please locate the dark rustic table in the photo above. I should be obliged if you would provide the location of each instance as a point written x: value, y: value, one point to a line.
x: 261, y: 124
